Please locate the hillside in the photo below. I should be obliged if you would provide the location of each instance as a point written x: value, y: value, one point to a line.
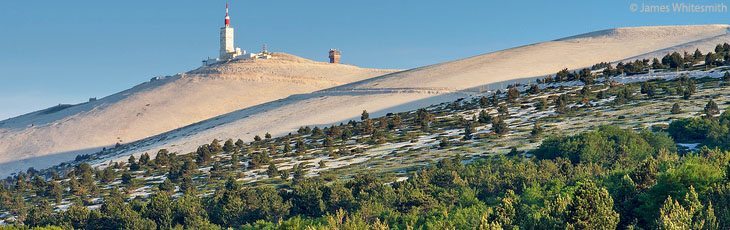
x: 60, y: 133
x: 613, y: 153
x: 419, y: 87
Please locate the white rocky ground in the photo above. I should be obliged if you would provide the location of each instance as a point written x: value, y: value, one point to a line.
x: 48, y: 137
x: 428, y: 85
x: 395, y: 92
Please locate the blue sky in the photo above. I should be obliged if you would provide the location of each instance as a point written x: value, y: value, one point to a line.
x: 55, y: 52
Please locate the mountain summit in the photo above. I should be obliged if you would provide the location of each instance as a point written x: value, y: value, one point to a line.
x: 62, y: 132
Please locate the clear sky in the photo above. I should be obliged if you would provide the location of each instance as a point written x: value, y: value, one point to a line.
x: 55, y: 52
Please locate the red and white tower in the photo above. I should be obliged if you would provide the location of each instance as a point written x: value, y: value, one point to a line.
x: 228, y: 50
x: 228, y: 19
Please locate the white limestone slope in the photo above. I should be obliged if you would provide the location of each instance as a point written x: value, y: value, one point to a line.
x: 427, y: 85
x: 415, y: 88
x: 44, y: 138
x: 704, y: 45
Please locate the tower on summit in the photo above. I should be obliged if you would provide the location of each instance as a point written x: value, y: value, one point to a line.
x: 334, y: 56
x: 228, y: 49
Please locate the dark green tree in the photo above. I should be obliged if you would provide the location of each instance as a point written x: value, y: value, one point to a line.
x: 167, y: 186
x: 711, y: 109
x: 512, y: 94
x: 228, y: 146
x: 160, y: 210
x: 592, y: 208
x: 365, y: 115
x: 676, y: 109
x: 484, y: 117
x: 272, y: 171
x: 499, y: 126
x: 469, y: 130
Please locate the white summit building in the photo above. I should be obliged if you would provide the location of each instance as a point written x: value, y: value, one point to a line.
x: 228, y: 51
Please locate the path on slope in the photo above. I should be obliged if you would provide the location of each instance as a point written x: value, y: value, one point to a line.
x: 50, y: 136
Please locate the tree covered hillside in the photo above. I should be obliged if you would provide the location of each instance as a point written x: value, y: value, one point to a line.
x: 640, y: 145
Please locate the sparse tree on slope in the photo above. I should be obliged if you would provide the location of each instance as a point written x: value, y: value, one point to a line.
x: 484, y: 117
x: 676, y: 109
x: 499, y: 126
x: 272, y: 171
x: 469, y: 130
x: 711, y: 109
x: 365, y: 115
x: 512, y: 94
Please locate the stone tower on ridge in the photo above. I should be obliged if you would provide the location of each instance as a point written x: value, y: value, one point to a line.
x: 334, y: 56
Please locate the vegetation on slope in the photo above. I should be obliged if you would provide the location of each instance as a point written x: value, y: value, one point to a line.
x: 498, y: 161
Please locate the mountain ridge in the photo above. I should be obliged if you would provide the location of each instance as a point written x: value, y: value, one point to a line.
x: 422, y: 86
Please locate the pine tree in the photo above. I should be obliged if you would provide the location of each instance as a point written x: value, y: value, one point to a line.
x: 144, y: 159
x: 484, y: 117
x: 234, y: 160
x: 287, y: 147
x: 394, y: 122
x: 133, y: 165
x: 690, y: 88
x: 300, y: 146
x: 542, y: 104
x: 272, y: 171
x: 469, y: 130
x: 710, y: 220
x: 228, y: 146
x: 240, y: 143
x: 536, y: 130
x: 534, y: 89
x: 648, y: 89
x: 503, y: 110
x: 646, y: 173
x: 203, y: 155
x: 160, y: 210
x: 561, y: 104
x: 676, y: 109
x: 215, y: 146
x: 512, y: 94
x: 77, y: 215
x: 127, y: 178
x: 298, y: 174
x: 499, y: 126
x: 586, y: 76
x: 585, y: 91
x: 673, y: 216
x: 365, y: 115
x: 483, y: 102
x: 506, y: 211
x: 40, y: 215
x: 697, y: 55
x: 162, y: 158
x: 592, y: 208
x: 444, y: 142
x: 656, y: 64
x: 167, y: 186
x: 55, y: 191
x: 711, y: 109
x: 187, y: 185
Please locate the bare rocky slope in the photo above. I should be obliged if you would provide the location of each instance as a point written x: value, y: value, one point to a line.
x: 419, y: 87
x: 57, y: 134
